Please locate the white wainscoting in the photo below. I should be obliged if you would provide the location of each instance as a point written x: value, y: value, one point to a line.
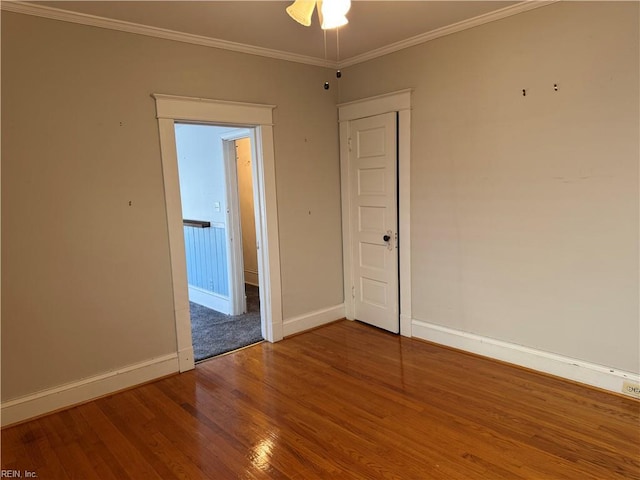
x: 206, y: 256
x: 558, y: 365
x: 64, y: 396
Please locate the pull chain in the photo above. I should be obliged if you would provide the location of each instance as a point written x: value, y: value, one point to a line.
x: 324, y: 32
x: 338, y: 72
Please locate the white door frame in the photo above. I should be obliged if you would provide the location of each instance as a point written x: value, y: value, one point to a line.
x: 234, y: 248
x: 400, y: 102
x: 171, y: 108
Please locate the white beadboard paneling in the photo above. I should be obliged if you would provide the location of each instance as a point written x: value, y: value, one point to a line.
x: 206, y: 255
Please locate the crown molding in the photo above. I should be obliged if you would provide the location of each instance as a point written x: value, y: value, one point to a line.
x: 18, y: 6
x: 448, y: 30
x: 130, y: 27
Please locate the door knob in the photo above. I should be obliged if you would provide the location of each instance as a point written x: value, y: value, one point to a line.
x: 386, y: 238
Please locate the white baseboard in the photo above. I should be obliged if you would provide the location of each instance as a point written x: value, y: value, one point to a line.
x: 558, y: 365
x: 312, y: 319
x: 210, y: 300
x: 64, y: 396
x: 186, y: 360
x: 251, y: 277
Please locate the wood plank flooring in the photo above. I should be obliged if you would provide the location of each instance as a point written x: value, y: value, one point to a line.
x: 345, y: 401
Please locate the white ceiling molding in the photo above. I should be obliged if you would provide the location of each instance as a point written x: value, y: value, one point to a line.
x: 130, y: 27
x: 448, y: 30
x: 136, y: 28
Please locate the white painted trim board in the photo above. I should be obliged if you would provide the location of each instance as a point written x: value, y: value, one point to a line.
x: 447, y: 30
x: 210, y: 300
x: 313, y: 319
x: 156, y: 32
x: 135, y: 28
x: 64, y: 396
x: 258, y: 118
x: 564, y: 367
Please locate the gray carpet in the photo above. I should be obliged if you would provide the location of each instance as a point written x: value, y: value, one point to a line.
x: 215, y: 333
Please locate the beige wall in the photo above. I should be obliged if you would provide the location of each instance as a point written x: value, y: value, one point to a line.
x: 247, y: 216
x: 524, y: 209
x: 524, y: 214
x: 86, y: 281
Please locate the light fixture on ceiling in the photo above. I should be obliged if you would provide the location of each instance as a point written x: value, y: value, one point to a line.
x: 332, y: 13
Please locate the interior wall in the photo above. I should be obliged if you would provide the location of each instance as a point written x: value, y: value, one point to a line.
x: 524, y: 209
x: 85, y: 258
x: 201, y: 171
x: 247, y: 216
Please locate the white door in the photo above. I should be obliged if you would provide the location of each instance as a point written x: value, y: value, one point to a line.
x: 374, y: 219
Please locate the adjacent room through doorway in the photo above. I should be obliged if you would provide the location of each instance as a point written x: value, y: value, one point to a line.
x: 217, y: 195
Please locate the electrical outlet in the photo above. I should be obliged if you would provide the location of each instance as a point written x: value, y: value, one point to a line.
x: 631, y: 388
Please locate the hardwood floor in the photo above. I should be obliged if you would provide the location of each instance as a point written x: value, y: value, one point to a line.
x: 345, y: 401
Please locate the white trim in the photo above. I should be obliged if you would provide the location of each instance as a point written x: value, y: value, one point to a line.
x: 399, y: 101
x: 349, y: 304
x: 558, y: 365
x: 505, y: 12
x: 210, y: 300
x: 178, y: 107
x: 235, y: 259
x: 313, y: 319
x: 135, y: 28
x: 176, y: 240
x: 64, y: 396
x: 257, y: 118
x: 267, y: 236
x: 367, y: 107
x: 156, y: 32
x: 404, y: 216
x: 239, y: 133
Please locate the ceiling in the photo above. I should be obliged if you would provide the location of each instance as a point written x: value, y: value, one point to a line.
x: 374, y: 27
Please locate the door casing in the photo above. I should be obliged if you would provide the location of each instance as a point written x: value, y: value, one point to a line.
x: 259, y: 118
x: 399, y: 102
x: 234, y: 245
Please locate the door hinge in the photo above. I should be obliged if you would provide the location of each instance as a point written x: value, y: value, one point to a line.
x: 353, y: 291
x: 349, y: 143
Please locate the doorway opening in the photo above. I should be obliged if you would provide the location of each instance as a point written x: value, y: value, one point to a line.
x: 215, y: 170
x: 258, y: 119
